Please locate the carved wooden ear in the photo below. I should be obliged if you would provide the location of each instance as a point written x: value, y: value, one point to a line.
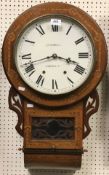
x: 16, y: 104
x: 91, y: 105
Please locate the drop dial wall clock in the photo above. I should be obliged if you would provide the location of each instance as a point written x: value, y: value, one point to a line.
x: 54, y: 56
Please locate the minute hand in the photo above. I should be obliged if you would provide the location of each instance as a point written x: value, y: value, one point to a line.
x: 46, y: 58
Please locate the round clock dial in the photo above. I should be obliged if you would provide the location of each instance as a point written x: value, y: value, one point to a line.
x: 54, y: 55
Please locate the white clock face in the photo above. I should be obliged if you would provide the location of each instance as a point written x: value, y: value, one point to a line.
x: 54, y: 55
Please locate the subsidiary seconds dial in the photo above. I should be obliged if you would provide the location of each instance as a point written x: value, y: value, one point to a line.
x: 54, y: 55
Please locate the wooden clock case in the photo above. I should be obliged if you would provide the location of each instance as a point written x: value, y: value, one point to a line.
x: 74, y: 106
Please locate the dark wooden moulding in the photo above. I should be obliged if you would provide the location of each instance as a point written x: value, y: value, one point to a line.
x: 60, y: 153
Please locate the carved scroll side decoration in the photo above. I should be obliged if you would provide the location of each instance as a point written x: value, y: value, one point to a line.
x: 91, y: 105
x: 16, y: 104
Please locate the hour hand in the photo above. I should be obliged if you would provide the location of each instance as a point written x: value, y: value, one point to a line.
x: 68, y: 60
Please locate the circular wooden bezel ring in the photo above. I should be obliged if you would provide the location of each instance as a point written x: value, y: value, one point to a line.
x: 36, y: 12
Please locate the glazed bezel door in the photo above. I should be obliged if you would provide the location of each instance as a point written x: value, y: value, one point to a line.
x: 59, y: 69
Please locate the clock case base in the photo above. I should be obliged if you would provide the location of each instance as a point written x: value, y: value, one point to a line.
x: 53, y: 151
x: 68, y: 162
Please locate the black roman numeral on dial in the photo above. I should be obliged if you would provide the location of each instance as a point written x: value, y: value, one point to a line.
x: 40, y: 80
x: 29, y: 41
x: 79, y: 69
x: 68, y: 30
x: 26, y: 56
x: 55, y: 28
x: 54, y: 84
x: 40, y: 29
x: 30, y: 69
x: 83, y: 55
x: 70, y: 80
x: 79, y: 40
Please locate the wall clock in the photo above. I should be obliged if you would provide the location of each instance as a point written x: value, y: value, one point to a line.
x: 54, y: 56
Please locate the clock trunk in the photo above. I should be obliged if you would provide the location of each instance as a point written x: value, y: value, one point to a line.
x: 53, y: 137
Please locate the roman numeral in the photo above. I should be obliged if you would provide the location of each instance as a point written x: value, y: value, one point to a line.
x: 54, y: 84
x: 70, y: 80
x: 68, y: 30
x: 79, y: 40
x: 29, y: 69
x: 79, y: 69
x: 27, y: 56
x: 83, y: 55
x: 31, y: 73
x: 29, y: 41
x: 55, y: 28
x: 40, y: 80
x: 40, y: 29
